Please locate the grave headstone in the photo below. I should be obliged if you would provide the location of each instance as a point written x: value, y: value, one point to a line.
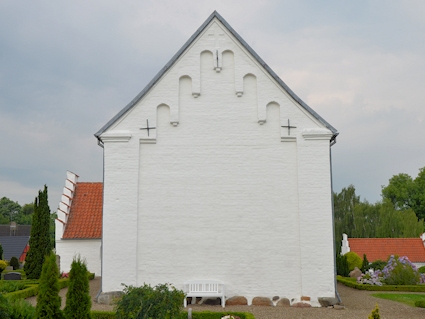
x: 12, y: 276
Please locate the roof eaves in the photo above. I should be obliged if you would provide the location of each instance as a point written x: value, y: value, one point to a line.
x: 215, y: 14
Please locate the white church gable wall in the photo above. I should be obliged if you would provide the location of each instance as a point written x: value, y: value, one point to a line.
x: 210, y: 191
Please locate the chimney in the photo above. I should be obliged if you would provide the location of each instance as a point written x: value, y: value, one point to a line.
x: 13, y: 229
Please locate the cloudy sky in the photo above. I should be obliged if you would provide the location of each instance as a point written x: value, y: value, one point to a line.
x: 67, y: 67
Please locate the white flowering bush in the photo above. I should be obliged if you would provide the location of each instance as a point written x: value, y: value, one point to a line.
x: 371, y: 278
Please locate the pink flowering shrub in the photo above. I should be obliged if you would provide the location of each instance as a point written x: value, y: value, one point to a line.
x: 64, y: 275
x: 398, y: 271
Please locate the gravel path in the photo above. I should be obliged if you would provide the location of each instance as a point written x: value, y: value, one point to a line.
x: 358, y: 305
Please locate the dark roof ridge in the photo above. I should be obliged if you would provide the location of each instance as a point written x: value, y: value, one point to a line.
x: 213, y: 15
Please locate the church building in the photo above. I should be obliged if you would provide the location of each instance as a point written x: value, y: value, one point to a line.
x: 216, y: 170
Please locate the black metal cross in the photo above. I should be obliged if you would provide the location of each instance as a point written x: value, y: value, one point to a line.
x: 147, y: 127
x: 289, y: 127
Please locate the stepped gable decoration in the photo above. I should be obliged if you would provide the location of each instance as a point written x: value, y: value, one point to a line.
x: 218, y: 172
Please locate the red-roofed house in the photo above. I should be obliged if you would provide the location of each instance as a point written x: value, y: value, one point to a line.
x: 382, y: 248
x: 79, y: 223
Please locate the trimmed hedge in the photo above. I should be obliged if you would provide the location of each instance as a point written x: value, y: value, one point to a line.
x: 32, y: 289
x: 349, y: 282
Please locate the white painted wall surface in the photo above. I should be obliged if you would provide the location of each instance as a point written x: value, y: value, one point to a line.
x: 219, y: 196
x: 89, y: 249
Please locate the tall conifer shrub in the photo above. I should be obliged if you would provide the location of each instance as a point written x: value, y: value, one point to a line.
x: 48, y: 299
x: 78, y: 301
x: 40, y: 245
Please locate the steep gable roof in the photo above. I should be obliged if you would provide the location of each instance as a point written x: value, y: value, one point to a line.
x: 382, y: 248
x: 13, y: 246
x: 85, y: 216
x: 216, y: 15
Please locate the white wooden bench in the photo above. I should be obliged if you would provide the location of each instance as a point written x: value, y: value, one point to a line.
x: 204, y: 288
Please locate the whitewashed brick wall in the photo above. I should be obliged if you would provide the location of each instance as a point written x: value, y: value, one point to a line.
x: 219, y: 196
x: 88, y: 249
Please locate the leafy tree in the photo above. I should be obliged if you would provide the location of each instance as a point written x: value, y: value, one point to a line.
x: 78, y: 300
x: 398, y: 224
x: 407, y: 193
x: 8, y: 210
x: 48, y: 299
x: 344, y: 204
x: 366, y: 220
x: 40, y: 243
x: 25, y: 215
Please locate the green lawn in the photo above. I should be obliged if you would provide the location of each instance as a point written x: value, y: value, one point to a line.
x: 408, y: 299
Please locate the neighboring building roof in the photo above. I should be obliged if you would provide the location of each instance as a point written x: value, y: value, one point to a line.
x: 85, y: 216
x: 215, y: 14
x: 13, y: 246
x: 382, y: 248
x: 20, y: 230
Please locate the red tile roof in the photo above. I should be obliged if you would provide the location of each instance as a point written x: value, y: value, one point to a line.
x: 85, y: 216
x: 382, y: 248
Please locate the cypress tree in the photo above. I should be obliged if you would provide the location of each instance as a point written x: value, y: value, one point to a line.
x: 40, y: 245
x: 78, y: 300
x: 1, y: 252
x: 48, y: 299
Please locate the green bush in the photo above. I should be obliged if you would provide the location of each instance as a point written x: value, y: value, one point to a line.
x: 48, y: 299
x: 378, y: 264
x: 353, y: 260
x: 342, y: 265
x: 161, y: 301
x: 420, y: 303
x: 3, y: 265
x: 21, y: 309
x: 422, y: 270
x: 14, y: 262
x: 4, y: 308
x: 78, y: 300
x: 365, y: 264
x: 399, y: 271
x: 375, y: 313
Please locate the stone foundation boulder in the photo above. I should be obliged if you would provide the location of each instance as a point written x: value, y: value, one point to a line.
x: 237, y: 301
x: 262, y: 301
